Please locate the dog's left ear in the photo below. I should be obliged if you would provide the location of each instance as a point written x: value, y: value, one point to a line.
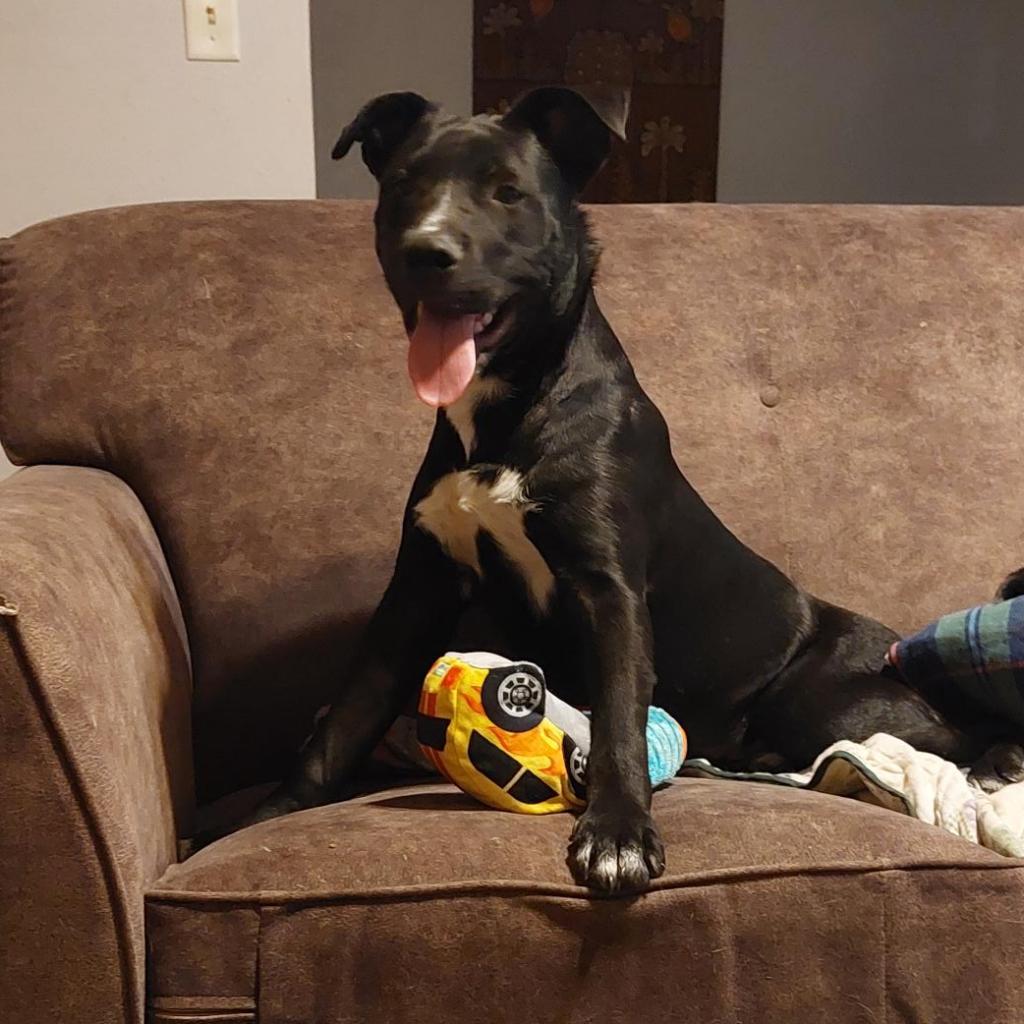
x: 381, y: 126
x: 574, y: 126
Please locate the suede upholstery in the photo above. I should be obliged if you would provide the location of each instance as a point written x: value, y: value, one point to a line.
x: 95, y: 766
x: 776, y: 905
x: 843, y: 386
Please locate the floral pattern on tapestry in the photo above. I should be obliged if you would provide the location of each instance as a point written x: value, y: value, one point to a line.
x: 669, y: 55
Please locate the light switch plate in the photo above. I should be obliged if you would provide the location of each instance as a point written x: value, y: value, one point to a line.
x: 211, y: 30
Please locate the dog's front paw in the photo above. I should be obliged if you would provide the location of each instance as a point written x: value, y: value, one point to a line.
x: 615, y: 851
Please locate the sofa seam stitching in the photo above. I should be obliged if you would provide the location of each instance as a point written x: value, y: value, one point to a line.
x: 278, y: 898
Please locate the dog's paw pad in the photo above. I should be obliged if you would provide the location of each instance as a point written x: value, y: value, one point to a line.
x: 616, y: 853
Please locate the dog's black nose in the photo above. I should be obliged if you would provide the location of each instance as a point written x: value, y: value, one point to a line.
x: 431, y: 251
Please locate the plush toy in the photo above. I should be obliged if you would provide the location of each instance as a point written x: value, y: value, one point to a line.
x: 490, y: 726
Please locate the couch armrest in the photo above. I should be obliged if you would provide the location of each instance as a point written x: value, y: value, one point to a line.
x: 95, y: 748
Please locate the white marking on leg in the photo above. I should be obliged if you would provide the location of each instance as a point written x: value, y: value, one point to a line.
x: 460, y: 505
x: 605, y: 870
x: 505, y: 522
x: 581, y: 852
x: 631, y: 864
x: 461, y: 414
x: 434, y: 219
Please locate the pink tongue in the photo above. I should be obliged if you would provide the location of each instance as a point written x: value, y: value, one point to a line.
x: 442, y: 357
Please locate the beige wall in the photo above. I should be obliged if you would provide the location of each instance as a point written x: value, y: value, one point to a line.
x: 872, y: 101
x: 365, y: 47
x: 99, y: 107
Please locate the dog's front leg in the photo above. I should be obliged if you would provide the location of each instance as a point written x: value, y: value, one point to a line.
x: 412, y: 625
x: 615, y: 846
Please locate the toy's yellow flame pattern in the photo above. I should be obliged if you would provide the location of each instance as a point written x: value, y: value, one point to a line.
x: 452, y: 692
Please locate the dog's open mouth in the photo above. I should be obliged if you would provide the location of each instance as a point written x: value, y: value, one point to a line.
x: 443, y: 351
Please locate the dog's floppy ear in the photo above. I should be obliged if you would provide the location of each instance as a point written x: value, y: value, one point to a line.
x: 574, y: 125
x: 381, y: 126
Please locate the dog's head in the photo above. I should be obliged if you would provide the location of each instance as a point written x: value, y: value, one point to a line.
x: 478, y: 232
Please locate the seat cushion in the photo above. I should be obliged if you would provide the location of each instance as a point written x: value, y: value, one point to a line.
x: 417, y: 904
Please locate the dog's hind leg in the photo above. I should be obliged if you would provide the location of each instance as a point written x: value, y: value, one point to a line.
x: 1000, y: 765
x: 860, y: 705
x: 838, y: 689
x: 806, y: 714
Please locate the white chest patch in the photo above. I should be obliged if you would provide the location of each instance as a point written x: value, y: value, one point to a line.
x: 461, y: 505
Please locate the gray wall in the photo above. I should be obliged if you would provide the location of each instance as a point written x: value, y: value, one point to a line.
x: 99, y: 107
x: 853, y: 101
x: 365, y: 47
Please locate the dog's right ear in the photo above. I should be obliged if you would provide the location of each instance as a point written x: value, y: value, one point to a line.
x: 381, y: 126
x: 575, y: 126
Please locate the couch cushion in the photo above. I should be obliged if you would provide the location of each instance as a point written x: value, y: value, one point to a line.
x: 842, y: 384
x: 417, y: 904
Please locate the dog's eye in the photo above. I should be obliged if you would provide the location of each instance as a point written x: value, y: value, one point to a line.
x: 507, y: 194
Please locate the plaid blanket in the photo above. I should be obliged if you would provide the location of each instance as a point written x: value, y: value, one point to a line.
x: 980, y: 651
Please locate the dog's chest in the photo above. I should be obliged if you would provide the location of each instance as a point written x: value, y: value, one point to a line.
x: 464, y: 504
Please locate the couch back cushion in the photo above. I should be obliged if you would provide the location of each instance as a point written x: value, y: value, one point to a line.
x: 845, y: 385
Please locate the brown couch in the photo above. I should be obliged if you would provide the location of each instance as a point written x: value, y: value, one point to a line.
x: 213, y: 403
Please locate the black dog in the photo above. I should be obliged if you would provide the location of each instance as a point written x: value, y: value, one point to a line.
x: 549, y: 494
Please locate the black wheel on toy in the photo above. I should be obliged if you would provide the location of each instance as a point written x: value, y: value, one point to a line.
x: 576, y: 767
x: 514, y: 697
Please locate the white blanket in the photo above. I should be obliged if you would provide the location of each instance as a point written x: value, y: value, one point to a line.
x: 890, y: 773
